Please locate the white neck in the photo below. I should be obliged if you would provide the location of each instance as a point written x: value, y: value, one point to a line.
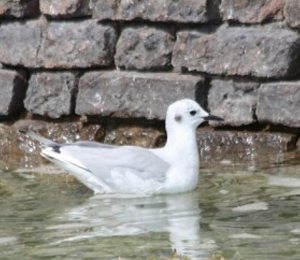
x: 181, y: 143
x: 181, y: 152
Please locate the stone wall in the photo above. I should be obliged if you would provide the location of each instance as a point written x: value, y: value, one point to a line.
x: 129, y: 59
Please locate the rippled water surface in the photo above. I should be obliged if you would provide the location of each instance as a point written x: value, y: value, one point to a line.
x: 248, y: 214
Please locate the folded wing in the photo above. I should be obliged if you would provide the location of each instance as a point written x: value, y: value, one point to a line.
x: 120, y: 168
x: 114, y: 168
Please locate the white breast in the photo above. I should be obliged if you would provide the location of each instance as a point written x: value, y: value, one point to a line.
x: 183, y: 176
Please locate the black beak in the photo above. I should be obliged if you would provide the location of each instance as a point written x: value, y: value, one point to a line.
x: 212, y: 117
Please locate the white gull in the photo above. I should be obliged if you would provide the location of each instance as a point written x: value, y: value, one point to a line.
x: 105, y: 168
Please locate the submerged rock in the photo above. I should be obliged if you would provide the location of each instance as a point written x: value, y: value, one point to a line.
x: 234, y: 150
x: 18, y: 151
x: 139, y: 136
x: 225, y: 150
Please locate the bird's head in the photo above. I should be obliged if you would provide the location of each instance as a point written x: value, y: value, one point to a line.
x: 187, y: 113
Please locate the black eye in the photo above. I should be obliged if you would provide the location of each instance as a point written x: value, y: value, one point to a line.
x: 193, y: 112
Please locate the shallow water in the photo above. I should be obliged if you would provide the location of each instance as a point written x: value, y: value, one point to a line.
x: 253, y: 214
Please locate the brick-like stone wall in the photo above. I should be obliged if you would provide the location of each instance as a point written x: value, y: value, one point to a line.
x: 132, y: 58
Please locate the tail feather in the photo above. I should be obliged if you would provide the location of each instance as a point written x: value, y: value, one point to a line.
x: 52, y: 151
x: 41, y: 139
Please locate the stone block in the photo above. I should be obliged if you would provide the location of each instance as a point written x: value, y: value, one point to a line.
x: 144, y: 48
x: 259, y: 52
x: 65, y: 8
x: 252, y: 11
x: 233, y: 100
x: 77, y: 45
x: 292, y: 13
x: 13, y: 87
x: 242, y: 150
x: 51, y: 94
x: 19, y: 42
x: 278, y: 103
x: 19, y: 8
x: 39, y: 44
x: 191, y: 11
x: 132, y: 94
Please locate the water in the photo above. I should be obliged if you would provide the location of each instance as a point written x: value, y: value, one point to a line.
x: 253, y: 214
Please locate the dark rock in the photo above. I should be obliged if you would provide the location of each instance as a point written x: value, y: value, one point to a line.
x: 19, y: 42
x: 51, y: 94
x: 233, y: 100
x: 292, y: 13
x: 193, y: 11
x: 241, y: 141
x: 252, y: 11
x: 38, y: 44
x: 135, y: 135
x: 234, y: 150
x: 239, y: 51
x: 105, y: 10
x: 77, y: 45
x: 226, y: 150
x: 132, y: 94
x: 278, y: 103
x: 13, y: 87
x: 19, y: 8
x: 66, y: 8
x: 17, y: 150
x: 144, y: 48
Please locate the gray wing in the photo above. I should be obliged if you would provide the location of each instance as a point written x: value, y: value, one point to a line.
x: 102, y: 160
x: 94, y: 144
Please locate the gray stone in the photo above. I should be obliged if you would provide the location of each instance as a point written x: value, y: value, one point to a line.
x: 12, y: 87
x: 65, y: 8
x: 132, y: 94
x: 252, y: 11
x: 278, y: 103
x: 39, y: 44
x: 77, y: 45
x: 234, y: 150
x: 51, y: 94
x: 259, y: 52
x: 191, y: 11
x: 144, y: 48
x: 19, y: 8
x: 19, y: 42
x: 233, y: 100
x: 292, y: 13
